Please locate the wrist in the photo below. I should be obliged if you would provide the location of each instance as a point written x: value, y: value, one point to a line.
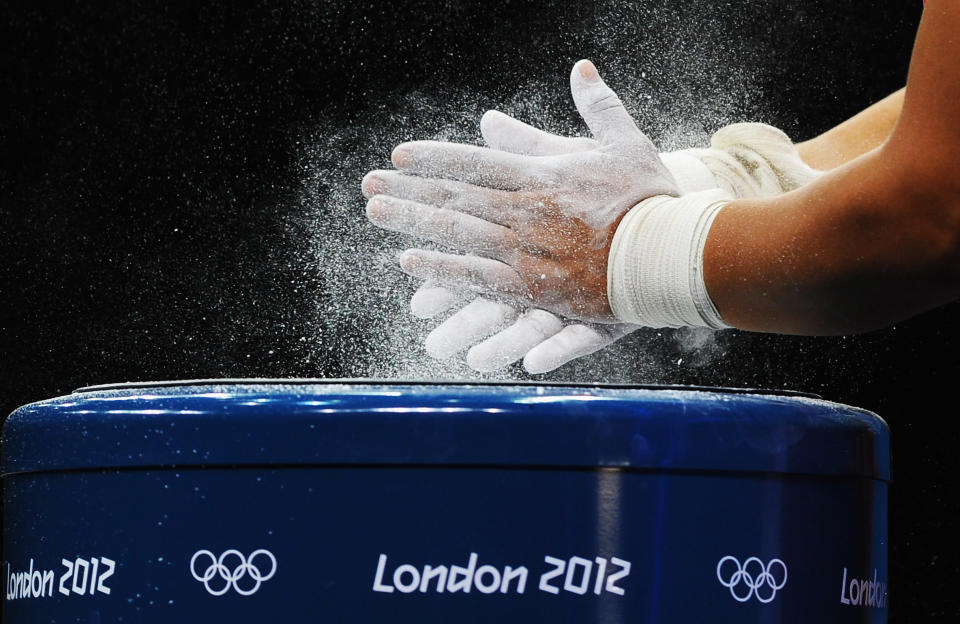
x: 691, y: 174
x: 655, y: 265
x: 744, y: 159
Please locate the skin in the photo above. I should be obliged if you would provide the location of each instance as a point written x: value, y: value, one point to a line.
x: 538, y: 227
x: 856, y: 136
x: 874, y: 241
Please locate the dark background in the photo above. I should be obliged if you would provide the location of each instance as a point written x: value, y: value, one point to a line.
x: 179, y: 196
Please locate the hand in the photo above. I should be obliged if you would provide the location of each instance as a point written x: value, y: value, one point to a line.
x: 542, y: 339
x: 745, y: 159
x: 540, y: 226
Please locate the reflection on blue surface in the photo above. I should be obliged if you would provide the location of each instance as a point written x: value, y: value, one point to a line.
x: 456, y: 424
x: 618, y: 504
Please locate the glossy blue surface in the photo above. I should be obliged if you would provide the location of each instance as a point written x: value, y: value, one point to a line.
x: 209, y: 424
x: 370, y: 502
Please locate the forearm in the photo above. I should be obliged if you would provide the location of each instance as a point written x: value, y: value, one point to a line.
x: 854, y: 137
x: 860, y: 248
x: 870, y: 243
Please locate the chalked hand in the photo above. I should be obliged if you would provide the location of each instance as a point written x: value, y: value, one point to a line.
x: 748, y: 159
x: 538, y: 227
x: 542, y: 339
x: 744, y: 159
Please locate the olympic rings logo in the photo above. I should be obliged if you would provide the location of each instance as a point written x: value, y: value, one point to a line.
x: 757, y: 579
x: 220, y: 567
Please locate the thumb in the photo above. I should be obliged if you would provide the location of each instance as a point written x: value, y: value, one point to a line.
x: 599, y: 106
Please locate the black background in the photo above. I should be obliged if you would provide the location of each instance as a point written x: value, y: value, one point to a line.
x: 179, y: 195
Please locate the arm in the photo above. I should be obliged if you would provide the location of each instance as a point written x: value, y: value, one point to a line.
x: 854, y: 137
x: 872, y: 242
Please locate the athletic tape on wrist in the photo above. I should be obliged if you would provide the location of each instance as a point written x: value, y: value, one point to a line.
x: 655, y: 267
x: 756, y: 160
x: 690, y: 172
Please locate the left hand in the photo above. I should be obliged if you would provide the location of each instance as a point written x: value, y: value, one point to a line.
x: 540, y: 226
x: 493, y: 334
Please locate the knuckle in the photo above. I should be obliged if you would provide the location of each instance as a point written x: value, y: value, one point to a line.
x: 444, y: 193
x: 604, y: 100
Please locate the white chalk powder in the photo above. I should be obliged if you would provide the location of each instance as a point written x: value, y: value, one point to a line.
x: 674, y: 75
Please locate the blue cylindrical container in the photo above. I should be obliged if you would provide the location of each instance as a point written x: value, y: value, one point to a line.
x: 290, y: 501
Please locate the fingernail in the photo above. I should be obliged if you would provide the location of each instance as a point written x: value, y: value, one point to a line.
x: 588, y: 71
x: 376, y: 208
x: 373, y: 184
x: 401, y: 157
x: 408, y: 261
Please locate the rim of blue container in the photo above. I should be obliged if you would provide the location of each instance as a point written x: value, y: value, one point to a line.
x: 378, y: 423
x: 296, y: 381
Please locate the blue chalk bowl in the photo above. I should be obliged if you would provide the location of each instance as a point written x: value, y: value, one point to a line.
x: 369, y: 502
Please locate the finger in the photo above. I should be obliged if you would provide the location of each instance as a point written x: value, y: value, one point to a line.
x: 599, y: 106
x: 468, y: 163
x: 511, y: 344
x: 492, y: 205
x: 474, y: 322
x: 503, y: 132
x: 472, y: 273
x: 447, y: 227
x: 432, y: 299
x: 572, y: 342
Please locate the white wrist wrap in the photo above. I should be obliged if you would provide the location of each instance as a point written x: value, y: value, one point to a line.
x: 655, y: 267
x: 690, y: 172
x: 754, y: 160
